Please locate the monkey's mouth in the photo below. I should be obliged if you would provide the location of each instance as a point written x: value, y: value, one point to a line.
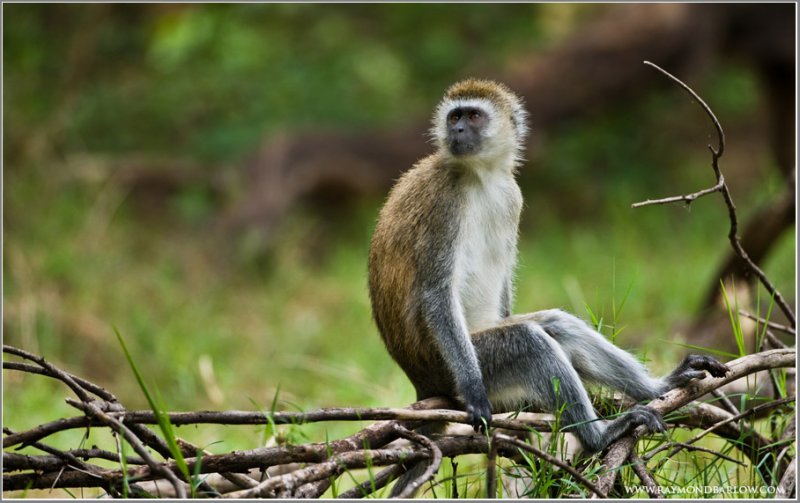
x: 461, y: 147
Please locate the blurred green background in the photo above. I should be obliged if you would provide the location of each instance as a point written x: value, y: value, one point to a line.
x: 218, y: 324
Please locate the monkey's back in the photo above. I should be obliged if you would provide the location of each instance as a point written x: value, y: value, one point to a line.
x: 414, y: 235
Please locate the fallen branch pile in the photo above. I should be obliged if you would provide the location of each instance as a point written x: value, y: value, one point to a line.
x: 308, y: 470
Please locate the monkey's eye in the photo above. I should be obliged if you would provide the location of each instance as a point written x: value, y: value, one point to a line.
x: 454, y: 117
x: 474, y: 115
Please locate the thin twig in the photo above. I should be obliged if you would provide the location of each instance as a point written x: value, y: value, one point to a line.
x: 52, y: 371
x: 698, y: 448
x: 234, y: 417
x: 511, y: 441
x: 620, y: 450
x: 774, y: 341
x: 786, y: 487
x: 770, y: 324
x: 725, y: 401
x: 433, y: 467
x: 687, y: 198
x: 491, y: 468
x: 640, y: 469
x: 380, y: 481
x: 242, y: 481
x: 92, y: 409
x: 722, y: 187
x: 748, y: 412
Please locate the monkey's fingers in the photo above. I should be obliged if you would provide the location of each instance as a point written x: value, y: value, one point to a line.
x: 643, y: 415
x: 480, y: 415
x: 709, y: 364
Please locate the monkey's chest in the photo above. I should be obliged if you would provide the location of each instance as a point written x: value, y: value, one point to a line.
x: 486, y: 253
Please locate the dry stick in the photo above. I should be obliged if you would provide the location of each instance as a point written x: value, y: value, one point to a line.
x: 134, y: 441
x: 700, y: 415
x: 87, y: 404
x: 690, y: 447
x: 620, y: 450
x: 650, y: 485
x: 52, y: 371
x: 774, y: 341
x: 725, y: 401
x: 256, y: 458
x: 242, y: 481
x: 15, y: 462
x: 45, y: 430
x: 87, y: 385
x: 770, y: 324
x: 687, y: 198
x: 786, y: 487
x: 722, y: 187
x: 505, y: 439
x: 420, y: 411
x: 491, y: 469
x: 254, y: 418
x: 380, y: 480
x: 151, y: 440
x: 748, y: 412
x: 69, y: 459
x: 312, y: 489
x: 335, y: 465
x: 433, y: 467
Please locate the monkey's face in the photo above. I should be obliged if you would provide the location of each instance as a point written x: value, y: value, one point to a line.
x: 480, y: 123
x: 465, y: 128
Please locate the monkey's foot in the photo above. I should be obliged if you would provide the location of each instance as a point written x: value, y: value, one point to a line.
x: 707, y: 363
x: 695, y: 367
x: 640, y: 415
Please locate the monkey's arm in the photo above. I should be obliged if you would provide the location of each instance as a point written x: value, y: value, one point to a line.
x: 445, y: 320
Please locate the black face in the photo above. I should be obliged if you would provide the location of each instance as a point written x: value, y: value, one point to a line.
x: 464, y: 126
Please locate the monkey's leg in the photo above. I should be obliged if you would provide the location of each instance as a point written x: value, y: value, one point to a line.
x: 598, y: 360
x: 521, y: 363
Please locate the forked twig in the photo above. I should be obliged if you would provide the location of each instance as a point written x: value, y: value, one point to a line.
x: 722, y: 187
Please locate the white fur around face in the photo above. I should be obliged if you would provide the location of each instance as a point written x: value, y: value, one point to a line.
x: 501, y: 140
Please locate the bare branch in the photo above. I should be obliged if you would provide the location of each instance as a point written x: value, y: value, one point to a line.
x: 640, y: 468
x: 433, y: 467
x: 770, y: 324
x: 50, y: 370
x: 308, y: 470
x: 722, y: 187
x: 234, y: 417
x: 786, y: 487
x: 92, y: 409
x: 511, y: 441
x: 749, y: 412
x: 686, y: 199
x: 380, y: 480
x: 621, y: 449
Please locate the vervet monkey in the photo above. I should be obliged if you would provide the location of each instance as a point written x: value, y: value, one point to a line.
x: 441, y: 270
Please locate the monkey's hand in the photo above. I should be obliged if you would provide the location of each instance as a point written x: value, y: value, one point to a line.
x: 695, y: 367
x: 478, y: 408
x: 709, y: 364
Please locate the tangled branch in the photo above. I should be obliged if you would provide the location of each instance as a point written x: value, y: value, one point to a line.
x: 309, y: 468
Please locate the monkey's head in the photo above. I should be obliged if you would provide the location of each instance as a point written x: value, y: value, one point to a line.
x: 482, y: 120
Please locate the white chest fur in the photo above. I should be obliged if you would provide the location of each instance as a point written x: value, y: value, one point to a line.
x: 487, y: 247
